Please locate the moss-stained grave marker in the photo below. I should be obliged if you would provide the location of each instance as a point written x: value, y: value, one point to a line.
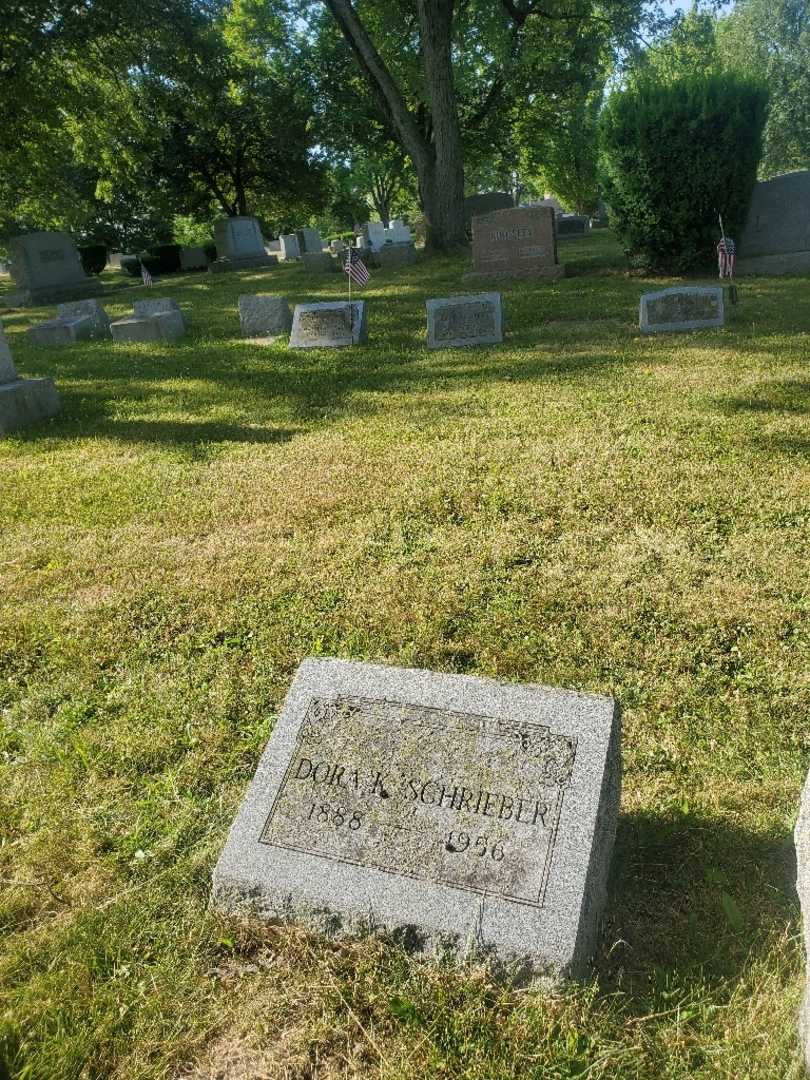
x: 452, y: 811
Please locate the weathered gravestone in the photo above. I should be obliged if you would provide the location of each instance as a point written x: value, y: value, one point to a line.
x: 153, y: 320
x: 240, y: 246
x: 398, y: 232
x: 329, y: 325
x: 290, y: 248
x: 486, y: 203
x: 273, y: 247
x: 56, y: 333
x: 681, y: 308
x: 452, y: 811
x: 776, y: 237
x: 395, y: 254
x: 91, y: 309
x: 515, y: 243
x: 319, y: 262
x: 802, y: 839
x: 374, y: 234
x: 193, y: 258
x: 309, y: 241
x: 22, y: 401
x: 263, y: 315
x: 464, y: 320
x: 47, y: 268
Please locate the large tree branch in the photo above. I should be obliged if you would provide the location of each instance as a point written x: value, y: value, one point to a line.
x: 378, y: 75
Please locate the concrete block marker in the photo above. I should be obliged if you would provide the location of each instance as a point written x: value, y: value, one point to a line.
x: 87, y: 309
x: 802, y: 840
x: 454, y: 812
x: 329, y: 325
x: 56, y: 333
x: 263, y: 315
x: 464, y: 320
x: 22, y: 401
x: 681, y: 308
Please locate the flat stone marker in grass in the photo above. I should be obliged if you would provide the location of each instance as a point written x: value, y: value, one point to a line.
x: 162, y: 326
x: 802, y: 839
x: 329, y: 325
x: 263, y: 315
x: 56, y: 333
x: 688, y: 307
x: 451, y: 811
x: 464, y: 320
x: 160, y: 305
x: 22, y: 401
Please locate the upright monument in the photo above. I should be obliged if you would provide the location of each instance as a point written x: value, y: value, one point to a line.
x: 22, y: 401
x: 47, y: 268
x: 240, y: 246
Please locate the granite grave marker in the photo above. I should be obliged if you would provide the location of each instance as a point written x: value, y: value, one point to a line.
x: 688, y: 307
x: 332, y: 325
x: 520, y: 242
x: 240, y: 246
x: 776, y: 237
x: 464, y: 320
x: 22, y: 401
x: 91, y: 309
x: 47, y: 268
x: 458, y: 812
x: 263, y: 315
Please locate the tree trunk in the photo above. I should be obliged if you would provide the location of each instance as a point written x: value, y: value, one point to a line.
x: 442, y: 183
x: 438, y: 163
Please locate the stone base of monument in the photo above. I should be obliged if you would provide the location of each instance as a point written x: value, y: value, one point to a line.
x: 334, y: 325
x: 802, y: 841
x: 792, y: 262
x: 56, y: 333
x: 25, y: 401
x: 548, y: 273
x: 251, y: 262
x: 53, y: 294
x: 457, y: 814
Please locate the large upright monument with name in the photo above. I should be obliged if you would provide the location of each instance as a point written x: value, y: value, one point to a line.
x: 47, y: 269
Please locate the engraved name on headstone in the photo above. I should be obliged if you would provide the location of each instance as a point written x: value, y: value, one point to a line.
x: 464, y: 320
x: 681, y: 308
x: 517, y: 242
x: 328, y: 325
x: 471, y: 812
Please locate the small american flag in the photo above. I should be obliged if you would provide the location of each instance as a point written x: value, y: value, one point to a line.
x: 726, y: 257
x: 147, y: 277
x: 355, y: 267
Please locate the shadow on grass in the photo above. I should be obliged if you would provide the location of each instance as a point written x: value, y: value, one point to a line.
x: 691, y: 897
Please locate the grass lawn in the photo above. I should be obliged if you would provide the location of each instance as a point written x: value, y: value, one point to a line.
x: 581, y: 506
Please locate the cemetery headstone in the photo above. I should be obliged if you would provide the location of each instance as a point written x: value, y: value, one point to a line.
x: 486, y: 203
x: 802, y: 840
x: 47, y: 268
x: 309, y: 241
x: 571, y: 225
x: 393, y: 255
x: 398, y: 232
x: 319, y: 262
x: 153, y: 320
x: 374, y: 233
x: 515, y: 243
x: 160, y: 305
x: 273, y: 247
x: 114, y: 259
x: 681, y: 308
x: 193, y: 258
x: 240, y: 246
x: 263, y: 315
x: 453, y: 811
x: 87, y: 308
x: 290, y: 248
x: 22, y: 401
x: 464, y: 320
x: 776, y: 237
x: 329, y: 325
x: 56, y: 333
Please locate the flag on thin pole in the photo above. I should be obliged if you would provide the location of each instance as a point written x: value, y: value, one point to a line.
x: 145, y: 275
x: 354, y: 266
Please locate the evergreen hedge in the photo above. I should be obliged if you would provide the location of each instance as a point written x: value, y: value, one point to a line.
x: 93, y: 258
x: 674, y: 154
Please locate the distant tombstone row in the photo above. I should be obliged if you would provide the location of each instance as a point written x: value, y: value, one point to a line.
x: 22, y: 401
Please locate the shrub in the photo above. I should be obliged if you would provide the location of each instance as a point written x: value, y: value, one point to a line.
x: 210, y: 249
x: 168, y: 256
x: 93, y: 257
x: 672, y: 156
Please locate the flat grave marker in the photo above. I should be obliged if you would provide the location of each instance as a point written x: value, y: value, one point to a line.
x: 22, y: 401
x: 332, y: 325
x: 687, y: 307
x: 459, y: 321
x: 262, y: 315
x: 454, y: 811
